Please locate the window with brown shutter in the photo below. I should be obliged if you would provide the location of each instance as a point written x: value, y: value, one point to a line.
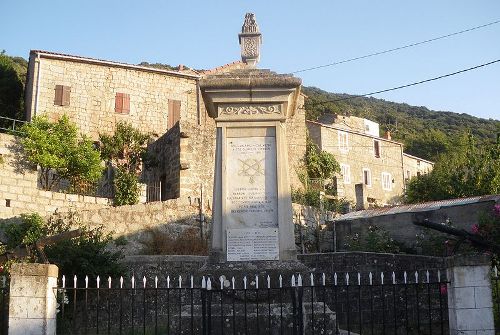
x: 122, y: 103
x: 376, y: 148
x: 62, y: 95
x: 174, y: 112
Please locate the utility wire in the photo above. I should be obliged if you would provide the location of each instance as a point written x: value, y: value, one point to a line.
x: 415, y: 83
x: 398, y: 48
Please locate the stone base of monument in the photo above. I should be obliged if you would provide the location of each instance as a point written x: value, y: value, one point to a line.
x: 252, y: 318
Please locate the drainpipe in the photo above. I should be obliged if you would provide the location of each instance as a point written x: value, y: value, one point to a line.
x: 198, y: 101
x: 403, y: 167
x: 37, y: 94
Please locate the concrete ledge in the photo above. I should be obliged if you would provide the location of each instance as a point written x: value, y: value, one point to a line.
x: 34, y: 269
x: 476, y: 259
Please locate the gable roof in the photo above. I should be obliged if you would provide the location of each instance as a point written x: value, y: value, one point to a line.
x: 88, y: 60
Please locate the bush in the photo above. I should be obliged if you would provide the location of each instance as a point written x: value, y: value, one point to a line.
x: 126, y: 186
x: 374, y: 240
x: 84, y: 255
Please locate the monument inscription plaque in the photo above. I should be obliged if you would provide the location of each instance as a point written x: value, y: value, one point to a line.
x: 252, y: 196
x: 252, y: 244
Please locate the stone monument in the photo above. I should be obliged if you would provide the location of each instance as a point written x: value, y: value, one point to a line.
x: 252, y: 212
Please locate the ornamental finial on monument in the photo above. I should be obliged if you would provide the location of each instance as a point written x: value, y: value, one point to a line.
x: 250, y: 40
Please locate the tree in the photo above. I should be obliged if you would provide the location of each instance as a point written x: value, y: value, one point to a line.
x: 428, y: 145
x: 126, y: 149
x: 320, y: 164
x: 468, y: 170
x: 59, y: 152
x: 11, y: 89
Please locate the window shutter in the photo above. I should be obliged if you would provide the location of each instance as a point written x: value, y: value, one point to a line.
x: 174, y: 112
x: 376, y: 147
x: 122, y: 103
x: 66, y: 90
x: 58, y: 99
x: 126, y: 103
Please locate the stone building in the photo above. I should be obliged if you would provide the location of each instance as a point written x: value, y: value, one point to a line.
x: 374, y: 169
x: 97, y: 94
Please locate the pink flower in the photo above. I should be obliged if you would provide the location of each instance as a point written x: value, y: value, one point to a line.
x: 475, y: 228
x: 443, y: 289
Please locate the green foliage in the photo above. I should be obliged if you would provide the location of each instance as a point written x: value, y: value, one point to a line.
x: 311, y: 197
x: 127, y: 189
x: 126, y: 149
x: 407, y: 123
x: 467, y: 170
x: 84, y: 255
x: 57, y: 148
x: 11, y: 87
x: 375, y: 239
x: 27, y: 232
x: 320, y: 164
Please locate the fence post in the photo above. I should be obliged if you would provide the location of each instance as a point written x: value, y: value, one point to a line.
x: 32, y: 301
x: 470, y: 303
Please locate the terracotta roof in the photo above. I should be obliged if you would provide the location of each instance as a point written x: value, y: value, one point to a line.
x: 415, y: 208
x: 226, y: 67
x: 55, y: 55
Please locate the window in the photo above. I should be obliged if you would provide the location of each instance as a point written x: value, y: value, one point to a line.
x: 62, y: 95
x: 343, y: 143
x: 346, y: 173
x: 367, y: 177
x: 122, y: 103
x: 376, y: 148
x: 408, y: 174
x: 386, y: 181
x: 174, y: 112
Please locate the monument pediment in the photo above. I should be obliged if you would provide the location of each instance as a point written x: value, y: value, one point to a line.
x: 245, y: 93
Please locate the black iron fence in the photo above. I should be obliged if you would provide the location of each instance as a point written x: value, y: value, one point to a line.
x: 314, y: 304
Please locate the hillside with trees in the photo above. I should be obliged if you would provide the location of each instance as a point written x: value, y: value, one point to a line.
x: 425, y: 133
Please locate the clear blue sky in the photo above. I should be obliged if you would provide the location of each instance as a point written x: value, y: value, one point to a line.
x: 296, y: 34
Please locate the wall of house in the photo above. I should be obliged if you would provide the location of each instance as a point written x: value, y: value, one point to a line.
x: 414, y: 166
x: 93, y: 91
x: 360, y: 155
x: 19, y: 192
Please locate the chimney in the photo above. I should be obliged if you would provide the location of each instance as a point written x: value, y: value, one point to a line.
x: 387, y: 135
x: 181, y: 67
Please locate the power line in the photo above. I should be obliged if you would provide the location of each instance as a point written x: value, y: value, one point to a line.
x: 415, y: 83
x: 398, y: 48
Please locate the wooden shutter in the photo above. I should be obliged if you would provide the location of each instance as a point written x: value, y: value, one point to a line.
x: 126, y: 103
x: 66, y: 90
x: 119, y: 102
x: 376, y: 148
x: 58, y: 99
x: 122, y: 103
x: 62, y: 95
x: 174, y: 112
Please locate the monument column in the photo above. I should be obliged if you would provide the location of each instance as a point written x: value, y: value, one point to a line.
x: 252, y: 212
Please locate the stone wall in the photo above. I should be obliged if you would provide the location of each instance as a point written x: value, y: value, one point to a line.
x: 340, y: 262
x: 136, y: 223
x: 370, y: 262
x: 94, y: 85
x: 19, y: 192
x: 401, y: 228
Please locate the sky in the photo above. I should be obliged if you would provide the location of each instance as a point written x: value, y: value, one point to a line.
x: 296, y: 35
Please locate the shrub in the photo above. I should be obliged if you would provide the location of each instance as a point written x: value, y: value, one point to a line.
x: 84, y: 255
x: 374, y: 240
